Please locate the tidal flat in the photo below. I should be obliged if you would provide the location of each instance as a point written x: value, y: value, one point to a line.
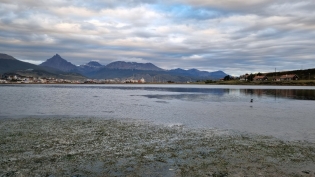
x: 125, y: 147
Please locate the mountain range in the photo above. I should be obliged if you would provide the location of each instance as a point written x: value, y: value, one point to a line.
x: 58, y: 66
x: 9, y: 64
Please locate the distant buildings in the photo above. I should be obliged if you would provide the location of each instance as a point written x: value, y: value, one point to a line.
x: 289, y: 77
x: 142, y: 80
x: 260, y: 77
x: 18, y: 79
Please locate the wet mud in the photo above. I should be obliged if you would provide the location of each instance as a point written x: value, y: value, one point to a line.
x: 96, y: 147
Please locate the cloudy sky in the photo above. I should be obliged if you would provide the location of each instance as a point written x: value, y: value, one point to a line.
x: 234, y: 36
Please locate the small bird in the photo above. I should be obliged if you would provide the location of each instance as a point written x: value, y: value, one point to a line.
x: 251, y: 100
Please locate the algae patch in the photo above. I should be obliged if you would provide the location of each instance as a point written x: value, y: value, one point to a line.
x: 96, y: 147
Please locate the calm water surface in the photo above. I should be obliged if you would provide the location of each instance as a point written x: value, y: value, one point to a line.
x: 284, y: 112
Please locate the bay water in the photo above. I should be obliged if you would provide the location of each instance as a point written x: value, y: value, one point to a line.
x: 285, y: 112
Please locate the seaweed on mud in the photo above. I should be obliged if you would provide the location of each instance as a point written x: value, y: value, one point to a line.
x: 96, y: 147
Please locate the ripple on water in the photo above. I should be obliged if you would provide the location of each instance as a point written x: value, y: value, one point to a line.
x: 284, y: 112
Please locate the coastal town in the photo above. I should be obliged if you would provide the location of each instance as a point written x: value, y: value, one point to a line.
x: 14, y: 78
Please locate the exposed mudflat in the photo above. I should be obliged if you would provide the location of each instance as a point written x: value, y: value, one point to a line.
x: 95, y: 147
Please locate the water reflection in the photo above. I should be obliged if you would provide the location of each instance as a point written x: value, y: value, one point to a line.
x: 195, y: 92
x: 234, y: 95
x: 219, y: 91
x: 281, y: 93
x: 215, y: 93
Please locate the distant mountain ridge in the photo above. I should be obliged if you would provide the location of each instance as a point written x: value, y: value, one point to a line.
x: 133, y: 65
x: 57, y: 62
x: 128, y: 70
x: 89, y: 67
x: 118, y: 69
x: 197, y: 73
x: 94, y: 64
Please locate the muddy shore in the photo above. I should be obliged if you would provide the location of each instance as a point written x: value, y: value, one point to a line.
x: 95, y: 147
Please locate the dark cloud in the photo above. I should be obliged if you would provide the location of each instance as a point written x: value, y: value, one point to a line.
x: 234, y: 36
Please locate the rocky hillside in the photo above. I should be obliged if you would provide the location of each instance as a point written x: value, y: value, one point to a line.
x: 59, y: 63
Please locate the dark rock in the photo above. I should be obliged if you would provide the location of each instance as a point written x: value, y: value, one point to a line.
x: 306, y: 171
x: 220, y: 174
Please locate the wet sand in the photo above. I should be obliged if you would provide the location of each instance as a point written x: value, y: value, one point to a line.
x: 96, y: 147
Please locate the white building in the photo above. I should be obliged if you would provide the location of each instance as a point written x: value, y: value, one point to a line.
x: 142, y: 80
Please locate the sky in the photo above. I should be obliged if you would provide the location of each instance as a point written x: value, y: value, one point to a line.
x: 234, y: 36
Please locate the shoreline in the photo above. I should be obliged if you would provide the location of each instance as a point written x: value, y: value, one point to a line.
x: 262, y: 83
x: 231, y: 82
x: 124, y: 147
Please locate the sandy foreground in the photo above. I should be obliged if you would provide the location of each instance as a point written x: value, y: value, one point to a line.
x: 94, y: 147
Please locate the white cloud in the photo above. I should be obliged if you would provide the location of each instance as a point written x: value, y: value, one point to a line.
x: 36, y: 62
x: 133, y: 59
x: 193, y: 57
